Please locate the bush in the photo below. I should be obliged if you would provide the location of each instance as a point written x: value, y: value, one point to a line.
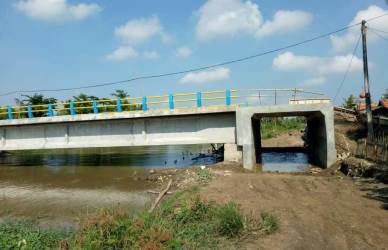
x: 272, y: 127
x: 269, y: 223
x: 229, y: 220
x: 26, y: 235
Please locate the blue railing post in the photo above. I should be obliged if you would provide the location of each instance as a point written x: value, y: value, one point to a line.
x: 72, y: 110
x: 95, y: 108
x: 199, y: 99
x: 50, y: 110
x: 144, y: 103
x: 171, y: 101
x: 118, y: 104
x: 29, y: 110
x: 10, y: 116
x: 227, y: 96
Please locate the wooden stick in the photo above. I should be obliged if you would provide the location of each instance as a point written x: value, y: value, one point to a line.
x: 161, y: 194
x: 157, y: 192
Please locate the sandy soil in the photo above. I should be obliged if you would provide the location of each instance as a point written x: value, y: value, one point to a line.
x: 315, y: 211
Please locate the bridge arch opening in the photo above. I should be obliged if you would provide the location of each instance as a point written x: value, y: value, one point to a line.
x: 289, y: 141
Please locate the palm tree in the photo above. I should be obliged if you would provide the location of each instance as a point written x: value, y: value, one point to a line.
x: 38, y: 99
x: 122, y: 94
x: 85, y: 101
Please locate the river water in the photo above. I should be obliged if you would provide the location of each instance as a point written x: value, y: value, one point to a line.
x: 60, y: 186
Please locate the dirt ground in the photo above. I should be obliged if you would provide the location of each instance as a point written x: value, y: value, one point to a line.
x: 320, y: 209
x: 314, y: 211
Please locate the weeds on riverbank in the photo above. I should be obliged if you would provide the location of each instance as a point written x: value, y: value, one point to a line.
x: 183, y: 221
x: 272, y: 127
x: 26, y: 235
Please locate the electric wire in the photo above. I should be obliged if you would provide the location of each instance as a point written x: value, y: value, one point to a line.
x: 348, y: 68
x: 379, y: 35
x: 198, y: 68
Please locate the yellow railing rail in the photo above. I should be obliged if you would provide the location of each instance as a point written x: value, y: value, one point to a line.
x: 144, y: 103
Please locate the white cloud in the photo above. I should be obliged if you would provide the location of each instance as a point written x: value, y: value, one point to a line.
x: 285, y: 21
x: 211, y: 75
x: 183, y: 52
x: 227, y: 17
x: 288, y: 61
x: 122, y: 53
x: 231, y: 17
x: 56, y: 10
x: 349, y: 39
x: 151, y: 55
x: 140, y: 30
x: 315, y: 81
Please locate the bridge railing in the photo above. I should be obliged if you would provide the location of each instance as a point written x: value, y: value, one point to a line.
x: 228, y: 97
x: 129, y: 104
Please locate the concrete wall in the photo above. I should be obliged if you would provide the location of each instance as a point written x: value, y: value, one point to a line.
x: 167, y: 130
x: 320, y: 124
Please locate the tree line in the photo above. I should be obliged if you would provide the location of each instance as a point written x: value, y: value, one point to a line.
x: 105, y: 104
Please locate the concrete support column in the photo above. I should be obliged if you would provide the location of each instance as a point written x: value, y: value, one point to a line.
x: 330, y: 138
x: 231, y: 153
x: 249, y: 156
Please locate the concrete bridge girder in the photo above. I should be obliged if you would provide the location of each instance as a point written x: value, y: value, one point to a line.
x: 228, y: 125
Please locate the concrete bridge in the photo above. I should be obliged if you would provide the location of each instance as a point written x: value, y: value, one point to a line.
x: 235, y: 126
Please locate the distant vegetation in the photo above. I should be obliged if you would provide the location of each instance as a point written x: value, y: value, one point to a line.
x: 83, y: 103
x: 349, y: 102
x: 183, y: 221
x: 272, y: 127
x: 385, y: 95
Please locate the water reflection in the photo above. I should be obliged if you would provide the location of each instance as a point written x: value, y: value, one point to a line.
x: 149, y: 157
x: 59, y: 185
x: 284, y: 161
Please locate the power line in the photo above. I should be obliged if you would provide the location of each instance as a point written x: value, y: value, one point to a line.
x: 195, y: 69
x: 348, y: 69
x: 382, y: 31
x: 381, y: 36
x: 185, y: 71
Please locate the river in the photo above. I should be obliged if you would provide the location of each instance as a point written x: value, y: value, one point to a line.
x: 60, y: 186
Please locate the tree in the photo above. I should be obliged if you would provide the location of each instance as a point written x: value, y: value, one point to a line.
x: 349, y: 102
x: 83, y: 103
x: 126, y: 105
x: 122, y: 94
x: 38, y: 99
x: 385, y: 95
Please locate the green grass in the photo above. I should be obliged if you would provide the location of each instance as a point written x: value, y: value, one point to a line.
x: 269, y: 223
x: 203, y: 175
x: 26, y: 235
x: 183, y: 221
x: 272, y: 127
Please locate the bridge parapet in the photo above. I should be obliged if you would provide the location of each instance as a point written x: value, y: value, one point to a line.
x: 216, y: 98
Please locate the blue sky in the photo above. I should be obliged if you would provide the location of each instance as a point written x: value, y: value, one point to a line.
x: 71, y: 43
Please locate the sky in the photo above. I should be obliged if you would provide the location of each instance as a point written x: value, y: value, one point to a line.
x: 50, y: 44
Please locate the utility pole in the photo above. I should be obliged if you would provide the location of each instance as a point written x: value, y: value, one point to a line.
x: 369, y: 118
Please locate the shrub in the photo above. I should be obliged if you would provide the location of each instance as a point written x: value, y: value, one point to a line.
x: 26, y: 235
x: 229, y: 220
x: 269, y: 223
